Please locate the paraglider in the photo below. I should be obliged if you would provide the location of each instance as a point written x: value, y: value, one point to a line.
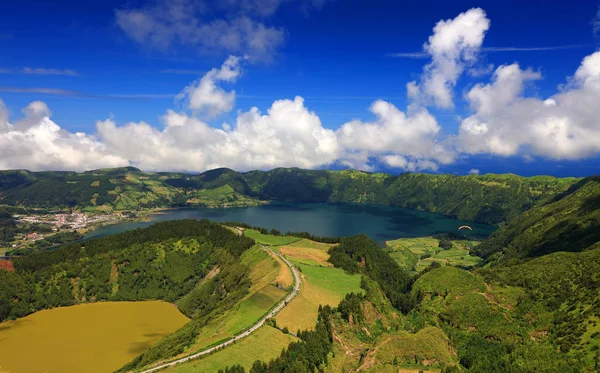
x: 465, y: 226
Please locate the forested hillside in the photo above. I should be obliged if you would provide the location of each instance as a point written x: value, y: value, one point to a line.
x: 568, y: 222
x: 484, y: 198
x: 560, y: 298
x: 168, y: 261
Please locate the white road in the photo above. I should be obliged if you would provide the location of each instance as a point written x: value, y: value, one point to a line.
x: 260, y: 323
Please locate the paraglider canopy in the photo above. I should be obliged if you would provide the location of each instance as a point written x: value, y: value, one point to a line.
x: 465, y: 226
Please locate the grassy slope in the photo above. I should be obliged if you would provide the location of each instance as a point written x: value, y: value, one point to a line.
x: 267, y: 239
x: 264, y: 271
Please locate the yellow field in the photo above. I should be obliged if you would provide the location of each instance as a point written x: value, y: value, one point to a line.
x: 303, y: 254
x: 264, y: 344
x: 91, y: 338
x: 320, y: 286
x: 284, y: 278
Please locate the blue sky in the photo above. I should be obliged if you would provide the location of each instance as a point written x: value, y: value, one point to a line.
x: 90, y: 62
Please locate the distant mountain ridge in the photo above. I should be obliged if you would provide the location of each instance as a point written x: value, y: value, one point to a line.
x: 487, y: 198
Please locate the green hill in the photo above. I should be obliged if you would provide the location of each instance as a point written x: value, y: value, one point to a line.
x: 568, y: 222
x: 484, y: 198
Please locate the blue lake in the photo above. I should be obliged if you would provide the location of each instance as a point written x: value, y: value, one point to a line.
x: 381, y: 223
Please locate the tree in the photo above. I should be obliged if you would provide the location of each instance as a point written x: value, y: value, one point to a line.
x: 445, y: 244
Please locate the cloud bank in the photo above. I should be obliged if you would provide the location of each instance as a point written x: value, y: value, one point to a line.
x: 502, y: 120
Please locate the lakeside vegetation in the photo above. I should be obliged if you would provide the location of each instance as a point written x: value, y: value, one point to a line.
x: 489, y: 199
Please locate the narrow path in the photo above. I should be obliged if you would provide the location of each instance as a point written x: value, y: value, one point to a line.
x: 260, y: 323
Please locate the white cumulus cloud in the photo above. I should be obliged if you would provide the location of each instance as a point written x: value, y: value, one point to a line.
x: 35, y: 142
x: 205, y: 96
x: 401, y: 141
x: 505, y: 122
x: 454, y: 45
x: 287, y: 135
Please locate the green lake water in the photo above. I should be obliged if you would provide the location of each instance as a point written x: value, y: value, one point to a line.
x: 381, y: 223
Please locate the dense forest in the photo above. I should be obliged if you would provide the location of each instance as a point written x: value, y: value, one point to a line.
x: 360, y: 254
x: 484, y: 198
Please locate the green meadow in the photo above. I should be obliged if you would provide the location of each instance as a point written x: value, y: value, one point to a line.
x: 335, y: 280
x: 91, y: 338
x: 267, y: 239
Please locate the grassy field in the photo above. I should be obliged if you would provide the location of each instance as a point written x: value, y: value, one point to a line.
x: 253, y: 308
x: 94, y: 338
x: 307, y: 252
x: 305, y: 243
x: 420, y: 252
x: 320, y: 285
x: 264, y: 344
x: 267, y: 239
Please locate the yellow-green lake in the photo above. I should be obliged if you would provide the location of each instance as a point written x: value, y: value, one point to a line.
x: 91, y: 338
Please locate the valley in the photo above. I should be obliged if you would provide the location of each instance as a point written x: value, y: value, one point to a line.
x: 446, y: 301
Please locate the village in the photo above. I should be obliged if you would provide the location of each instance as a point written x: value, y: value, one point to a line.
x: 61, y: 221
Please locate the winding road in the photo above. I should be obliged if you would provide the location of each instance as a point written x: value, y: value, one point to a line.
x: 260, y: 323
